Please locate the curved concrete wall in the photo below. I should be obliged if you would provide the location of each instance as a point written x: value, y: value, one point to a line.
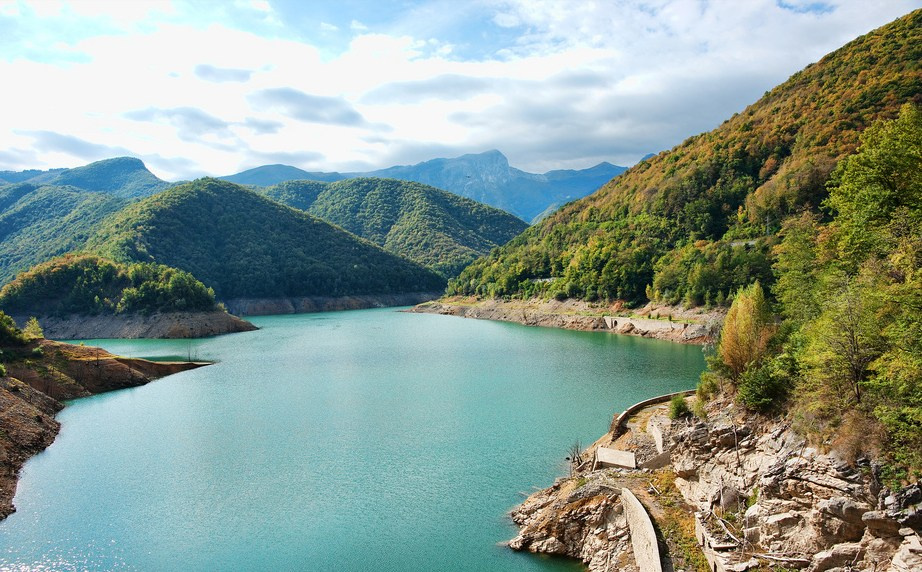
x: 617, y: 424
x: 643, y: 536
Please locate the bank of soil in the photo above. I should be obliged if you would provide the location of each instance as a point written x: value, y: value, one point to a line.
x: 673, y: 323
x: 309, y: 304
x: 40, y: 376
x: 738, y: 492
x: 158, y: 325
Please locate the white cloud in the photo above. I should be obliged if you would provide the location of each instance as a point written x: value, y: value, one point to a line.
x: 553, y: 84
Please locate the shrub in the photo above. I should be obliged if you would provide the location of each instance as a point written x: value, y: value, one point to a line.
x: 678, y: 407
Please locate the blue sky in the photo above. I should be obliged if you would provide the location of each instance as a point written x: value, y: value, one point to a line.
x: 213, y: 88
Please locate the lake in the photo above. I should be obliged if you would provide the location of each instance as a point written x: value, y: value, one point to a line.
x: 364, y: 440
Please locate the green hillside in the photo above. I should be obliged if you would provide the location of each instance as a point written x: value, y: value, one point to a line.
x: 244, y: 245
x: 124, y: 177
x: 87, y: 284
x: 38, y: 223
x: 697, y: 222
x: 438, y: 229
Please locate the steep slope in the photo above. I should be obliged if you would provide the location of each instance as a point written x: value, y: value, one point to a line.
x: 690, y: 223
x: 436, y: 228
x: 246, y: 246
x: 38, y: 223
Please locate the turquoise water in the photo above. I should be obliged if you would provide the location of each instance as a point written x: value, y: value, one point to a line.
x: 365, y: 440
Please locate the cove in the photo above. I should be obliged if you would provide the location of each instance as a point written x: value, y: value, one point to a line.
x: 361, y: 440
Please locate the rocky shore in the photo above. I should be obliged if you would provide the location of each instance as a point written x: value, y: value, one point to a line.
x: 159, y: 325
x: 39, y: 378
x: 738, y: 492
x: 671, y: 323
x: 304, y: 305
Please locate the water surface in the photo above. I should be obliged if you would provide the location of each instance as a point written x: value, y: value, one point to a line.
x: 364, y: 440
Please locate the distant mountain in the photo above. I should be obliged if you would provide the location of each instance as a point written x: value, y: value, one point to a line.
x: 40, y: 222
x: 125, y: 177
x: 436, y: 228
x: 484, y: 177
x: 244, y: 245
x: 268, y: 175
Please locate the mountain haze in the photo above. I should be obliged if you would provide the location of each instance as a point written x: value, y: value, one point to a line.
x: 244, y: 245
x: 436, y: 228
x: 484, y: 177
x: 268, y: 175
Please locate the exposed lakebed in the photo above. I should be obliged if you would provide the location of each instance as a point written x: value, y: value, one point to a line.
x: 364, y: 440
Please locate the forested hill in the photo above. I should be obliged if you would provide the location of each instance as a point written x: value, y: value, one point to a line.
x: 39, y: 222
x: 89, y: 285
x: 690, y: 223
x: 438, y: 229
x: 244, y: 245
x: 125, y: 177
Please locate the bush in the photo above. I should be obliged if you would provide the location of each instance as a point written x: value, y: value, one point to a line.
x: 758, y: 388
x: 678, y: 407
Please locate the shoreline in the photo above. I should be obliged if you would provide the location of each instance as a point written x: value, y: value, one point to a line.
x: 159, y: 325
x: 313, y: 304
x: 34, y: 390
x: 669, y: 323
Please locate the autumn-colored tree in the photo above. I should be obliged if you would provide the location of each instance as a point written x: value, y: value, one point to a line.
x: 746, y: 331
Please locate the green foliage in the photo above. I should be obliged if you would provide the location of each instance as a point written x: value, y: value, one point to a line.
x: 38, y: 223
x: 440, y: 230
x: 33, y: 330
x: 244, y: 245
x: 737, y: 182
x: 708, y: 273
x: 870, y: 186
x: 125, y: 177
x: 10, y: 335
x: 88, y: 284
x: 678, y: 408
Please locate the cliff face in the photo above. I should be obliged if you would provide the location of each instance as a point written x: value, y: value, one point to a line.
x: 159, y: 325
x: 40, y: 376
x: 746, y: 488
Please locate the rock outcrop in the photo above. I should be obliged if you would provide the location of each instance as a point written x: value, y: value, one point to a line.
x: 757, y: 493
x: 40, y: 376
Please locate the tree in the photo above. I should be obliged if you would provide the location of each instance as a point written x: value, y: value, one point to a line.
x: 846, y: 338
x: 883, y: 176
x: 746, y: 331
x: 33, y: 329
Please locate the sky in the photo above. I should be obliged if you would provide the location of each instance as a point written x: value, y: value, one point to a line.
x: 214, y: 88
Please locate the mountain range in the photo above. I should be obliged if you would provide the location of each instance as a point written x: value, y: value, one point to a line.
x: 485, y: 177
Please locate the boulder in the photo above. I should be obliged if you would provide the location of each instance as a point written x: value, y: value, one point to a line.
x: 879, y: 524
